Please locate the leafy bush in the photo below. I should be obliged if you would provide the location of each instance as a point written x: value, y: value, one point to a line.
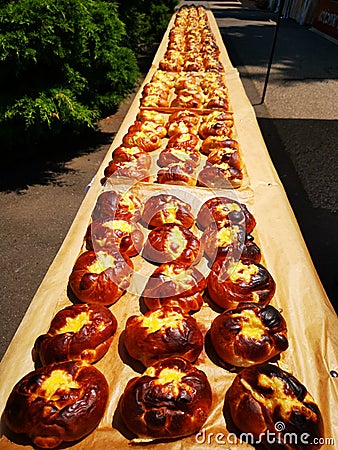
x: 63, y: 64
x: 145, y: 21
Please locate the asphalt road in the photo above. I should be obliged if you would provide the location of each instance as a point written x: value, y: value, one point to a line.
x: 39, y: 197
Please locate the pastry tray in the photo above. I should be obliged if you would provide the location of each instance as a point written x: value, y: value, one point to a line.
x: 311, y: 320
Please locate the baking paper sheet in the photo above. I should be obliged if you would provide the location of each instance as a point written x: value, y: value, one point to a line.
x: 311, y: 320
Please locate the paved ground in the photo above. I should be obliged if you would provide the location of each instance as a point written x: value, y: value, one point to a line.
x: 39, y: 200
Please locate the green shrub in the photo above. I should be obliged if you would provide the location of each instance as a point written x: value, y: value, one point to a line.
x: 63, y: 65
x: 145, y: 21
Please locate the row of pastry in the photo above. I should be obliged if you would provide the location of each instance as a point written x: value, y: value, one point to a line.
x: 182, y: 148
x: 65, y: 399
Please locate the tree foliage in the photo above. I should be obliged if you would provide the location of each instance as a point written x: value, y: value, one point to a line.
x: 63, y: 64
x: 145, y: 20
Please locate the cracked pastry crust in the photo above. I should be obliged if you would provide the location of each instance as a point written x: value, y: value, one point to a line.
x: 77, y: 332
x: 180, y: 173
x: 171, y: 399
x: 137, y: 169
x: 119, y: 206
x: 57, y: 403
x: 249, y: 334
x: 163, y: 333
x: 100, y: 278
x: 175, y: 284
x: 262, y: 396
x: 223, y: 212
x: 233, y: 282
x: 116, y: 235
x: 220, y: 176
x: 165, y: 208
x: 172, y: 242
x: 229, y: 241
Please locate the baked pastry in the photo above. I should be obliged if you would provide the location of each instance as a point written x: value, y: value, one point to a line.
x: 100, y: 278
x: 175, y: 284
x: 115, y: 235
x: 212, y: 143
x: 172, y: 242
x: 136, y: 169
x: 171, y: 399
x: 125, y: 154
x: 230, y: 156
x: 147, y: 141
x: 188, y: 98
x: 231, y: 283
x: 230, y: 241
x: 165, y: 208
x: 220, y: 176
x: 248, y: 335
x: 57, y: 403
x: 264, y: 396
x: 183, y: 122
x: 79, y: 331
x: 223, y: 212
x: 223, y: 242
x: 181, y: 173
x: 119, y: 206
x: 164, y: 77
x: 218, y: 99
x: 173, y: 155
x: 186, y: 141
x: 148, y: 127
x: 194, y: 62
x: 166, y: 332
x: 149, y: 115
x: 214, y: 125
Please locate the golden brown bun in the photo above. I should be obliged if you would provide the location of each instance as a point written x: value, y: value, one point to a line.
x: 218, y: 99
x: 171, y: 399
x: 100, y: 278
x: 220, y: 176
x: 229, y: 240
x: 212, y: 143
x: 222, y: 242
x: 185, y: 141
x: 183, y: 122
x: 147, y: 115
x: 57, y: 403
x: 148, y: 127
x: 175, y: 284
x: 166, y: 332
x: 249, y: 334
x: 136, y: 169
x: 147, y: 141
x: 109, y: 235
x: 228, y: 156
x: 178, y: 173
x: 231, y: 283
x: 265, y: 399
x: 125, y: 154
x: 119, y: 206
x: 175, y: 155
x: 166, y: 208
x: 79, y: 331
x: 172, y: 242
x: 223, y: 212
x: 188, y: 98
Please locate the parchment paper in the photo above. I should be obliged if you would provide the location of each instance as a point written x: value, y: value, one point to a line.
x: 312, y: 322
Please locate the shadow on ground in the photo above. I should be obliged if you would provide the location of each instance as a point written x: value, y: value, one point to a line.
x: 43, y: 164
x: 318, y: 224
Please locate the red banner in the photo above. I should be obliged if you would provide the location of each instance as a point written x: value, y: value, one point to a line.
x: 326, y: 18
